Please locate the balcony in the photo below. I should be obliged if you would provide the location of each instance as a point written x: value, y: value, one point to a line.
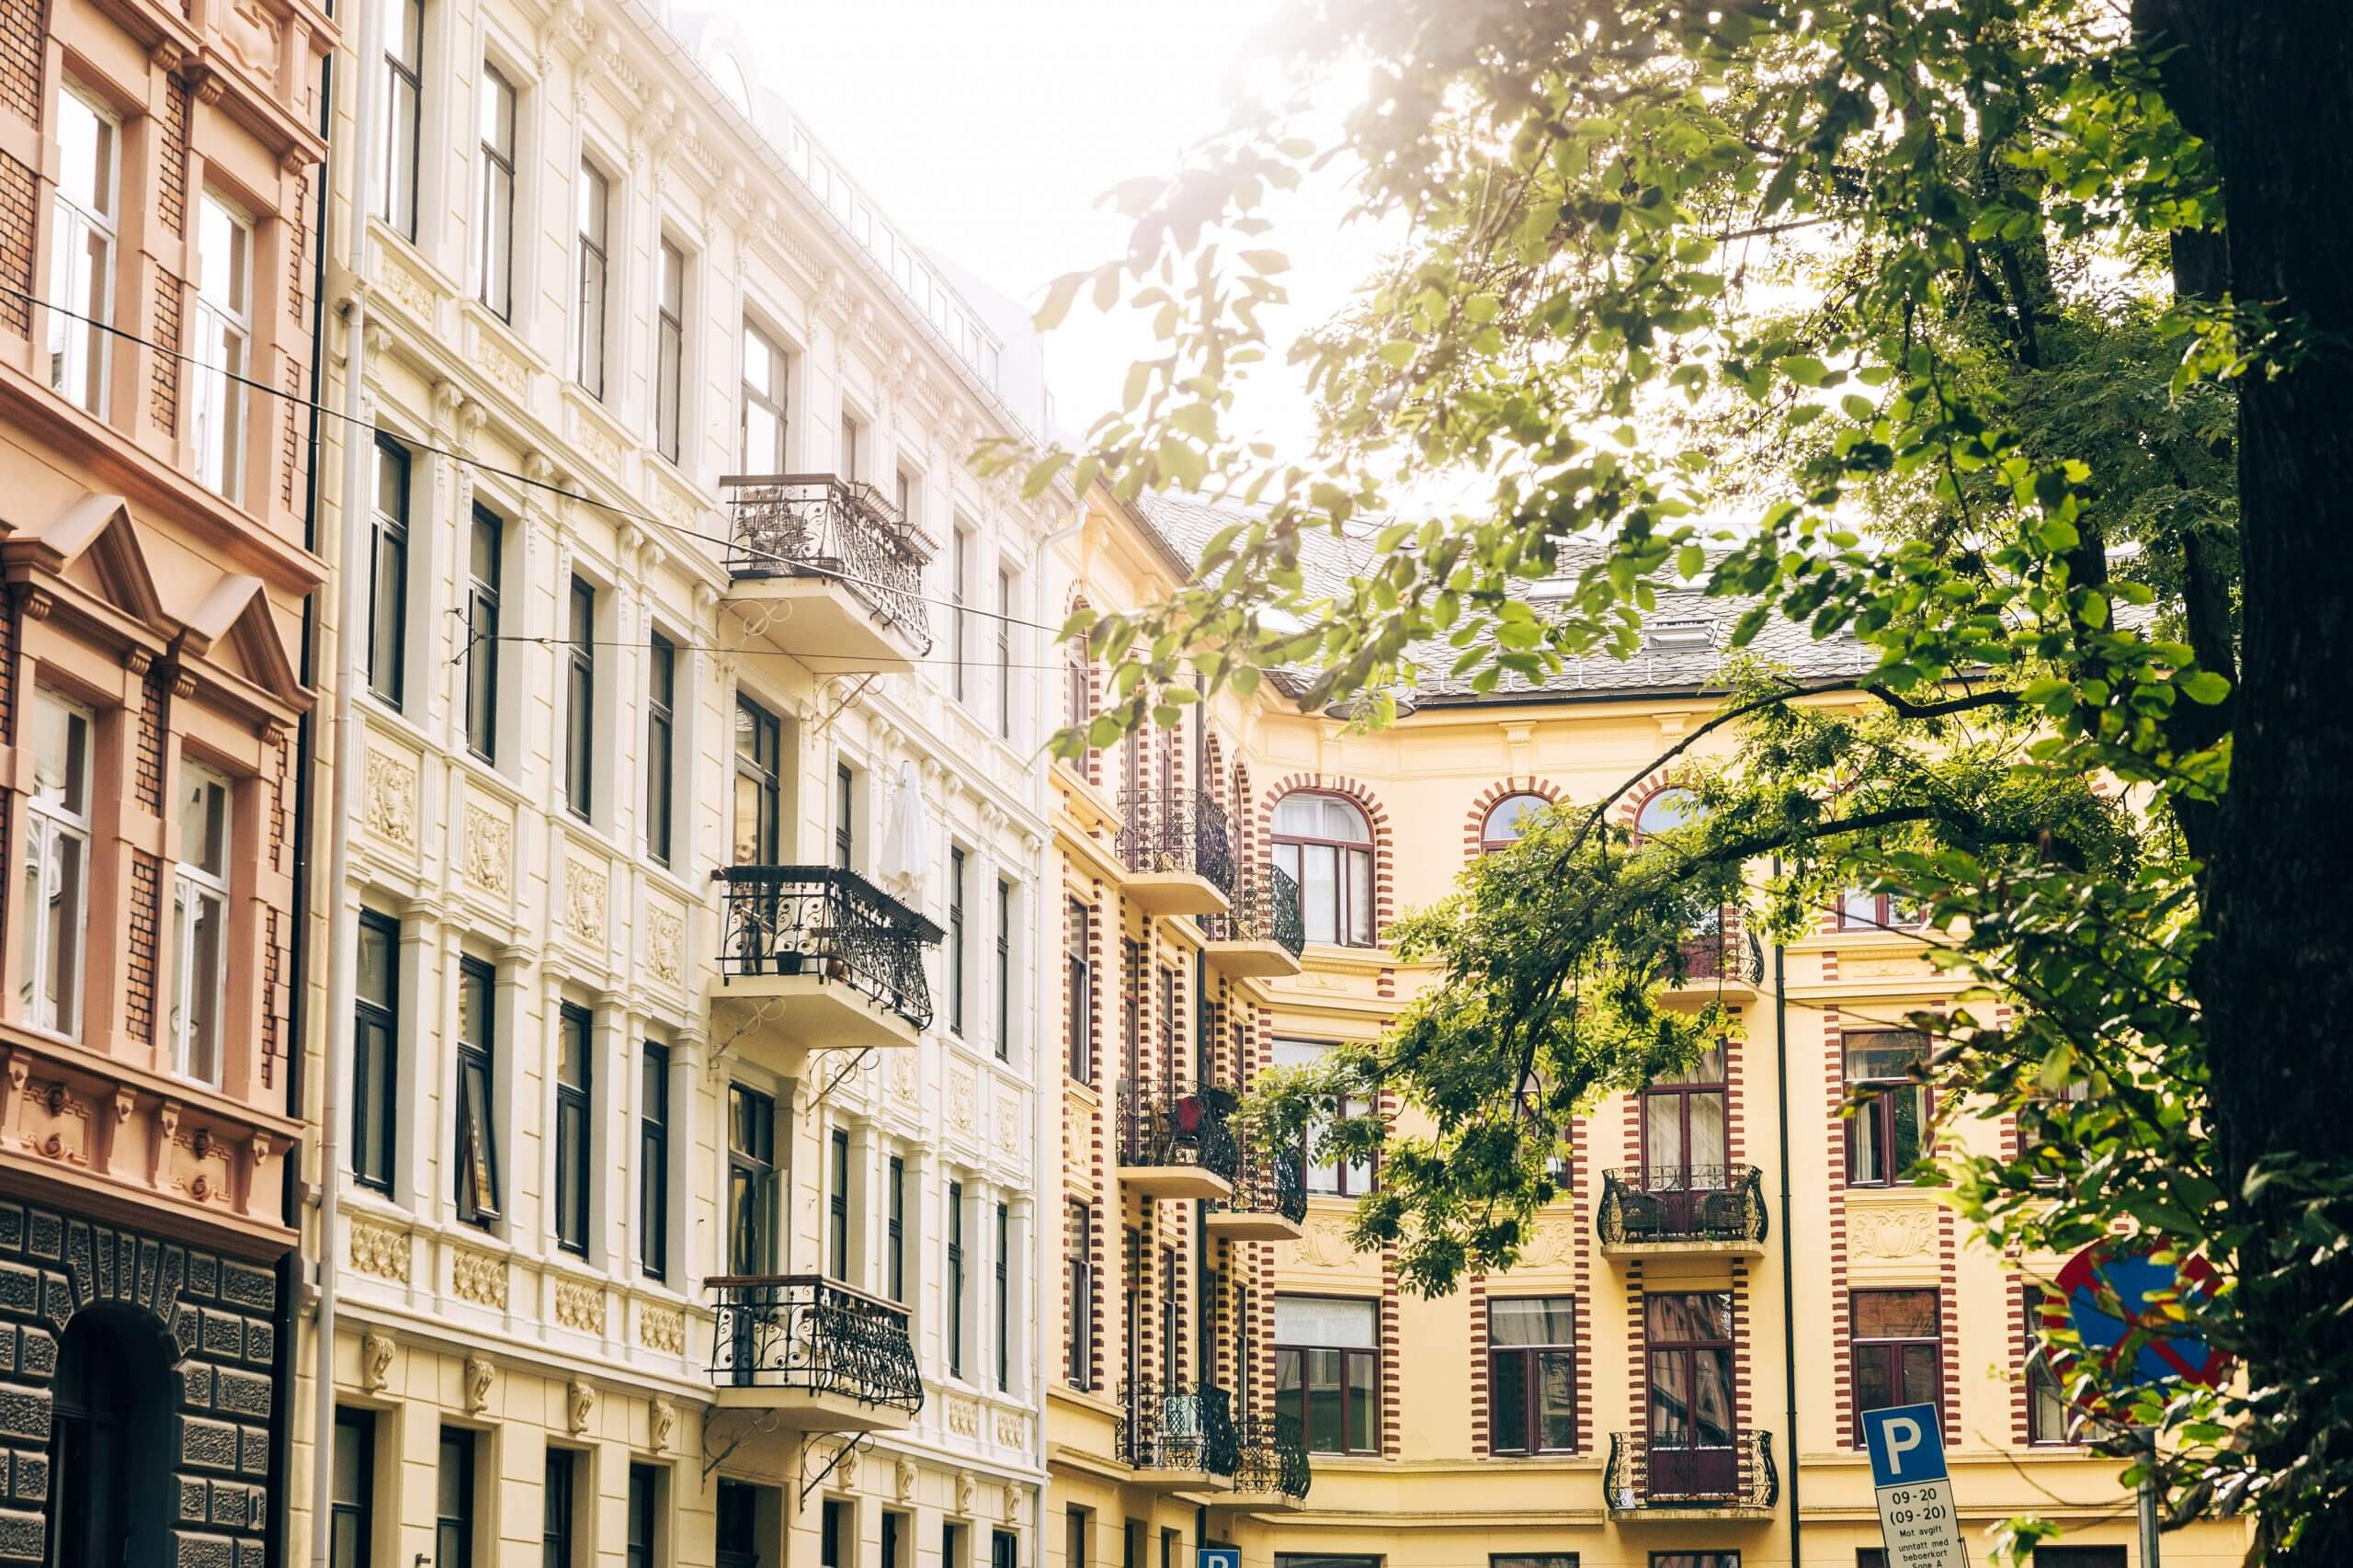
x: 813, y: 958
x: 1271, y: 1469
x: 1177, y: 850
x: 1263, y: 934
x: 1676, y: 1208
x: 813, y: 1354
x: 1269, y: 1202
x: 1179, y: 1438
x: 827, y: 570
x: 1176, y: 1141
x: 1723, y: 965
x: 1651, y: 1478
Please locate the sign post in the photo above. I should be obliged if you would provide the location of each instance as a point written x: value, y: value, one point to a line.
x: 1917, y: 1520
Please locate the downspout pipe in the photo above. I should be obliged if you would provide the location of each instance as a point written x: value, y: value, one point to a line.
x: 342, y: 935
x: 1789, y: 1242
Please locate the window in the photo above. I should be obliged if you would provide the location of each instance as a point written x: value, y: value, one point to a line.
x: 1687, y: 1337
x: 1532, y: 1374
x: 596, y: 198
x: 1667, y: 810
x: 1004, y: 969
x: 904, y: 494
x: 736, y: 1538
x: 1078, y: 686
x: 486, y: 553
x: 2081, y: 1557
x: 958, y: 569
x: 833, y: 1534
x: 951, y: 1546
x: 2039, y: 1120
x: 1077, y: 1524
x: 375, y: 1052
x: 751, y: 1182
x: 1132, y: 1008
x: 853, y: 434
x: 453, y: 1510
x: 759, y: 783
x: 1532, y: 1560
x: 955, y: 1278
x: 574, y: 1153
x: 956, y: 940
x: 1897, y: 1354
x: 643, y: 1543
x: 894, y: 1530
x: 1172, y: 1320
x: 654, y: 1160
x: 555, y: 1514
x: 1078, y: 1248
x: 896, y: 1226
x: 1862, y: 910
x: 57, y: 866
x: 1004, y: 1299
x: 1005, y: 1550
x: 1327, y: 845
x: 1320, y: 1560
x: 580, y: 700
x: 1685, y: 1142
x: 1005, y: 653
x: 1695, y: 1560
x: 498, y: 193
x: 1079, y: 986
x: 224, y: 325
x: 1505, y: 820
x: 1883, y: 1137
x: 764, y: 407
x: 477, y: 1139
x: 1327, y: 1372
x: 670, y: 350
x: 351, y: 1497
x: 199, y: 921
x: 387, y: 573
x: 845, y: 815
x: 1324, y: 1178
x: 2049, y: 1415
x: 837, y: 1205
x: 81, y: 249
x: 396, y: 132
x: 661, y: 743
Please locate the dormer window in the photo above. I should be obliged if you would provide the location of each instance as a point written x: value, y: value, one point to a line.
x: 1682, y: 634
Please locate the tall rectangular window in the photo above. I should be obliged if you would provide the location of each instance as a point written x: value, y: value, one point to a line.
x: 1895, y: 1352
x: 580, y: 699
x: 955, y: 1278
x: 498, y: 193
x: 1078, y: 1337
x: 837, y: 1206
x: 894, y: 1531
x: 397, y: 131
x: 669, y: 350
x: 453, y: 1507
x: 1004, y: 969
x: 853, y: 440
x: 751, y: 1182
x: 224, y: 325
x: 834, y: 1543
x: 1324, y: 1178
x: 477, y: 1136
x: 951, y: 1546
x: 661, y: 743
x: 199, y: 925
x: 643, y: 1541
x: 388, y: 573
x: 555, y: 1511
x: 1172, y: 1320
x: 1078, y: 986
x: 351, y: 1498
x: 1077, y: 1525
x: 2049, y: 1415
x: 1327, y: 1372
x: 1005, y: 653
x: 960, y: 549
x: 1532, y: 1365
x: 845, y: 817
x: 956, y: 940
x: 896, y: 1248
x: 596, y: 197
x: 375, y: 1052
x: 574, y: 1155
x: 485, y: 556
x: 81, y: 248
x: 1078, y: 686
x: 1004, y: 1299
x: 1884, y: 1138
x: 1693, y: 1401
x: 765, y: 423
x: 1686, y: 1133
x: 1131, y: 984
x: 653, y: 1160
x: 56, y: 866
x: 759, y: 784
x: 1005, y: 1550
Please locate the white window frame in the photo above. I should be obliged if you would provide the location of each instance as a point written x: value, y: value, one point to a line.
x: 194, y: 886
x: 224, y: 327
x: 669, y: 347
x: 496, y: 210
x: 49, y: 823
x: 591, y: 368
x: 774, y: 398
x: 70, y: 341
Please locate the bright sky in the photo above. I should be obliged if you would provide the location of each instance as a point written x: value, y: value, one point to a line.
x: 986, y: 128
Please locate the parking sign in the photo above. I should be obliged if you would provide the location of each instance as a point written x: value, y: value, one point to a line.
x: 1917, y: 1521
x: 1218, y: 1557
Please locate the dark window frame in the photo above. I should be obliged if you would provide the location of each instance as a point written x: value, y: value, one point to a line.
x: 483, y: 591
x: 1689, y: 1351
x: 654, y: 1160
x: 837, y: 1204
x: 1685, y: 1092
x: 1004, y: 969
x: 761, y: 770
x: 1532, y: 1358
x: 1079, y: 982
x: 1890, y: 1351
x: 401, y: 176
x: 661, y: 747
x: 575, y: 1152
x: 559, y: 1499
x: 453, y: 1533
x: 1879, y: 1106
x: 956, y: 955
x: 955, y: 1282
x: 669, y: 347
x: 641, y: 1518
x: 375, y: 1101
x: 1079, y: 1245
x: 1351, y: 1356
x: 1350, y: 858
x: 2043, y: 1385
x: 474, y: 1171
x: 388, y: 558
x: 751, y: 1181
x: 353, y: 1518
x: 1004, y: 1299
x: 896, y: 1227
x: 1888, y: 911
x: 845, y: 817
x: 580, y: 699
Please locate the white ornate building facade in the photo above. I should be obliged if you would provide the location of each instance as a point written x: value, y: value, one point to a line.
x: 675, y: 1038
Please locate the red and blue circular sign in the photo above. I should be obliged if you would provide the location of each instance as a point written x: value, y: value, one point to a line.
x: 2143, y: 1289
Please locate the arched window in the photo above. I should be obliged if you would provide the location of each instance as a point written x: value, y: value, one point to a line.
x: 107, y: 1440
x: 1668, y: 808
x: 1506, y: 820
x: 1326, y: 844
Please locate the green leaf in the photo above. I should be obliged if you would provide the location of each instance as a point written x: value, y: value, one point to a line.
x: 2203, y: 687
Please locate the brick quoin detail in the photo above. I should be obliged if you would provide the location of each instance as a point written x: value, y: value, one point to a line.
x: 147, y: 778
x: 1841, y: 1353
x: 1474, y: 820
x: 19, y: 206
x: 164, y: 375
x: 1743, y: 1363
x: 1581, y: 1234
x: 139, y: 971
x: 1384, y: 849
x: 2021, y: 1424
x: 1392, y: 1392
x: 1735, y: 1145
x: 1949, y: 1328
x: 1481, y: 1409
x: 1638, y: 1358
x: 171, y: 185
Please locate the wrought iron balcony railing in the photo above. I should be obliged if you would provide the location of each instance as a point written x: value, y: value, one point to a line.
x: 1178, y: 1426
x: 1728, y: 952
x: 1164, y: 1124
x: 1648, y: 1471
x: 817, y: 525
x: 813, y: 1335
x: 1681, y: 1203
x: 1268, y: 1181
x: 825, y: 921
x: 1266, y: 909
x: 1273, y: 1456
x: 1177, y: 830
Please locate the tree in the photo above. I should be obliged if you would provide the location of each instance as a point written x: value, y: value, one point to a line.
x: 2011, y: 335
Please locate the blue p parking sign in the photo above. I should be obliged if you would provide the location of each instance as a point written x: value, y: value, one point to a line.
x: 1917, y: 1519
x: 1218, y: 1557
x: 1905, y: 1445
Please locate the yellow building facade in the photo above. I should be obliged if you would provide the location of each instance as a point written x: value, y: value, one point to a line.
x: 1672, y: 1376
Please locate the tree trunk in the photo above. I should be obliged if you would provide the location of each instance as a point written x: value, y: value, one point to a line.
x: 2277, y: 109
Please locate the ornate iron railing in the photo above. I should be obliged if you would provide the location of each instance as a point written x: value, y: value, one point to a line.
x: 1177, y: 830
x: 1182, y: 1427
x: 1682, y: 1203
x: 1646, y: 1470
x: 1273, y: 1458
x: 825, y: 921
x: 815, y: 1336
x: 1166, y: 1123
x: 1268, y: 1181
x: 817, y: 525
x: 1266, y: 909
x: 1728, y: 952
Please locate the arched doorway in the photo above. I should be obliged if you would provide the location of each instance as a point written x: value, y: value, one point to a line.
x: 111, y: 1492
